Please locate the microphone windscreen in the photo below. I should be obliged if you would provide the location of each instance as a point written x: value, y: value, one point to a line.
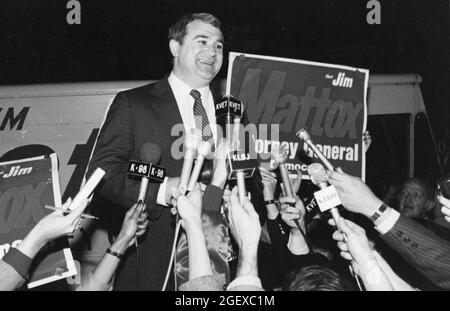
x: 150, y: 153
x: 317, y: 174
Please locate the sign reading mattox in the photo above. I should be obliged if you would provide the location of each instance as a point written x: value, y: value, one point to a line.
x: 25, y: 187
x: 329, y: 101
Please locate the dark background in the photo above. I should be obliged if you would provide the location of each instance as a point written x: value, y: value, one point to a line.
x: 127, y: 40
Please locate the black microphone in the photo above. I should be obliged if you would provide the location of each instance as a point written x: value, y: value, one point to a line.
x: 150, y: 154
x: 241, y: 166
x: 231, y: 108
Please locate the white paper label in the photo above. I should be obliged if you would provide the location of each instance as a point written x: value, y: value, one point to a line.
x: 327, y: 198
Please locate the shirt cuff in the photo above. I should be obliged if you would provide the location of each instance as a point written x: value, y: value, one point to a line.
x: 19, y: 261
x: 161, y: 198
x: 297, y: 245
x: 389, y: 222
x: 245, y: 281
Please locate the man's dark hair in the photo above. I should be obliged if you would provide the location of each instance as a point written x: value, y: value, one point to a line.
x: 178, y: 30
x: 316, y: 278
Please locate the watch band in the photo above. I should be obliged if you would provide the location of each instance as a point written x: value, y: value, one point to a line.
x: 269, y: 202
x: 118, y: 255
x: 379, y: 212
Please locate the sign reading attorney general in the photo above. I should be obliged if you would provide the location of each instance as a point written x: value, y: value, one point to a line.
x: 25, y: 187
x: 327, y: 100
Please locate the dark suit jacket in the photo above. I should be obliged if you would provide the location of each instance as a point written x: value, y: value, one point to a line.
x: 137, y: 116
x: 423, y: 249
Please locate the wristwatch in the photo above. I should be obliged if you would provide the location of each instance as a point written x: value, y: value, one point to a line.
x: 379, y: 212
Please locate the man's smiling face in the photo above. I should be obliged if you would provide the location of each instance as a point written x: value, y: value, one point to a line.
x: 198, y: 58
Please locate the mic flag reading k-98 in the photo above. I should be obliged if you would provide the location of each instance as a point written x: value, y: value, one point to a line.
x: 149, y: 170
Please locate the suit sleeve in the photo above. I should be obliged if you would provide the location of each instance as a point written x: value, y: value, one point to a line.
x: 113, y: 151
x: 423, y: 249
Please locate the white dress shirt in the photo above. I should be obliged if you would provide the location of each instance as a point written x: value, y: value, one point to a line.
x: 185, y: 103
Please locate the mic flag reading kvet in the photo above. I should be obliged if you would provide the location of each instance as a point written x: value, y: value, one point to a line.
x: 150, y: 154
x: 231, y: 108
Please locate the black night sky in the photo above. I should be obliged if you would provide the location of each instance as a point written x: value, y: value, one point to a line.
x: 127, y: 40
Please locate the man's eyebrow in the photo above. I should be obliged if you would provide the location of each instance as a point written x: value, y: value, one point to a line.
x: 207, y: 37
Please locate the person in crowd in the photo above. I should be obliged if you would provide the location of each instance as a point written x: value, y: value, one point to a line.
x: 15, y: 265
x: 149, y: 114
x: 316, y: 278
x: 417, y: 245
x: 375, y: 273
x: 416, y: 201
x: 246, y: 229
x: 101, y: 278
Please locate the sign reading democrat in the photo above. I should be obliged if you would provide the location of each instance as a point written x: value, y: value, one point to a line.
x: 25, y: 187
x: 327, y: 100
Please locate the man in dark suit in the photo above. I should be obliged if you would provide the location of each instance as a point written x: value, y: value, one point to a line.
x: 158, y: 113
x: 417, y: 245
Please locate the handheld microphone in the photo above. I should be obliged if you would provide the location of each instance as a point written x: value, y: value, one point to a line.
x: 202, y: 151
x: 279, y: 157
x: 304, y: 135
x: 241, y: 166
x: 327, y: 199
x: 150, y: 153
x: 191, y: 142
x: 230, y: 107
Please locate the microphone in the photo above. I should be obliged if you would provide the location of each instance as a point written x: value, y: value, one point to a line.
x: 150, y: 153
x: 304, y: 135
x: 202, y: 151
x: 229, y: 107
x: 191, y: 142
x: 279, y: 156
x: 241, y: 166
x: 329, y: 199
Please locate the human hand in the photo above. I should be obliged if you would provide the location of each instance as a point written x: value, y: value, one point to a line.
x: 171, y: 182
x: 297, y: 182
x: 269, y: 181
x: 367, y: 140
x: 244, y: 223
x: 52, y: 226
x: 445, y: 207
x: 353, y: 243
x: 290, y: 213
x: 355, y: 195
x: 131, y: 227
x: 220, y: 175
x: 60, y: 222
x: 189, y: 208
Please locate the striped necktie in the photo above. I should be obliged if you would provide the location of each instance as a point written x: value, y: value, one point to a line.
x: 201, y: 119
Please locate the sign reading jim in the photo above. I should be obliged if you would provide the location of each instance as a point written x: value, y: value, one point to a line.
x: 327, y: 100
x: 25, y: 187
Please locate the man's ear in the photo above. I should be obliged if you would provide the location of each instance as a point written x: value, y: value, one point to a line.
x: 174, y: 47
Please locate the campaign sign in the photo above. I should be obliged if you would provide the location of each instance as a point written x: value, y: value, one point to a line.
x: 26, y: 186
x: 329, y: 101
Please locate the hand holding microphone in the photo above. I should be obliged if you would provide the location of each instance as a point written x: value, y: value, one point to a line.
x: 191, y: 142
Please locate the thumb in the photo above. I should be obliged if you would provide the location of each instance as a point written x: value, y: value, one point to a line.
x: 339, y: 170
x: 344, y: 227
